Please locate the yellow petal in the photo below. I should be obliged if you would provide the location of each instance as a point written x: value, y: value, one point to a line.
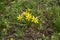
x: 52, y: 36
x: 20, y: 17
x: 58, y: 33
x: 11, y: 38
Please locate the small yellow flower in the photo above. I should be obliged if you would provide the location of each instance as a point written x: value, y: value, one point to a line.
x: 13, y: 2
x: 35, y: 20
x: 43, y: 35
x: 29, y: 16
x: 52, y: 37
x: 20, y: 17
x: 25, y: 13
x: 29, y: 9
x: 58, y: 33
x: 4, y: 29
x: 11, y: 39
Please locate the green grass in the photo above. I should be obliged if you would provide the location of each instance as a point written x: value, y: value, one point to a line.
x: 47, y: 11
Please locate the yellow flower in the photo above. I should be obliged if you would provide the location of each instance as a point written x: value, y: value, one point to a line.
x: 11, y: 38
x: 25, y: 13
x: 20, y: 17
x: 52, y: 36
x: 13, y: 2
x: 4, y: 29
x: 43, y: 35
x: 29, y: 9
x: 35, y: 20
x: 28, y: 16
x: 58, y: 33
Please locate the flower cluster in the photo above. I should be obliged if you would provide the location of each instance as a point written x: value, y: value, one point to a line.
x: 28, y: 16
